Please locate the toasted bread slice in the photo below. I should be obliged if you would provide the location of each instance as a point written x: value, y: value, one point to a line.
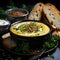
x: 36, y: 12
x: 53, y: 15
x: 56, y: 33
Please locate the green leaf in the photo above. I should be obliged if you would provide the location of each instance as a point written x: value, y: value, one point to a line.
x: 24, y: 6
x: 27, y: 7
x: 19, y: 58
x: 1, y: 10
x: 2, y: 15
x: 11, y: 5
x: 25, y: 47
x: 51, y: 42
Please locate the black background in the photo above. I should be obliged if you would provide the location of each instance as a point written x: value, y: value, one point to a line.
x: 4, y: 3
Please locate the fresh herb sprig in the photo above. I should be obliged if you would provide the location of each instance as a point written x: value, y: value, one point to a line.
x: 2, y: 11
x: 11, y: 5
x: 23, y: 47
x: 51, y: 42
x: 24, y: 6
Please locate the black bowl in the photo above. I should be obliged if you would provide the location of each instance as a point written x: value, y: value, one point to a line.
x: 4, y: 28
x: 13, y: 18
x: 35, y: 41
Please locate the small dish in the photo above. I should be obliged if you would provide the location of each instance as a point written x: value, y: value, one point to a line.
x: 4, y: 26
x: 16, y: 14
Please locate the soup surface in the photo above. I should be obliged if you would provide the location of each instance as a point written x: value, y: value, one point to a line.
x: 16, y: 13
x: 30, y: 29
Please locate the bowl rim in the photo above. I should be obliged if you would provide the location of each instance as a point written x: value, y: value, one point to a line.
x: 30, y: 36
x: 20, y: 9
x: 6, y: 21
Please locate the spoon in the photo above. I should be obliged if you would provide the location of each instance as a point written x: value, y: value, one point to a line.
x: 42, y: 52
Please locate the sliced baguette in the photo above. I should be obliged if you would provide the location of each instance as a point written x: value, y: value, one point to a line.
x: 53, y: 15
x: 36, y: 12
x: 56, y: 33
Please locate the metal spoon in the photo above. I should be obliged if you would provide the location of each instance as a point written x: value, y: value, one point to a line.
x: 42, y: 52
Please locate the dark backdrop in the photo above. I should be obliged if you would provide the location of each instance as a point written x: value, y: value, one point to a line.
x: 4, y: 3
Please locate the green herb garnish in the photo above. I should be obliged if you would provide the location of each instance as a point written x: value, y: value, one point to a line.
x: 23, y: 47
x: 51, y: 42
x: 32, y: 27
x: 19, y: 58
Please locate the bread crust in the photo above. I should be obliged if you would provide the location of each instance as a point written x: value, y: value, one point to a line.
x: 36, y: 12
x: 55, y: 13
x: 56, y: 33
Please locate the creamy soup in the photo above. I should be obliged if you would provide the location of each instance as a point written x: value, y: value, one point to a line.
x: 30, y: 29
